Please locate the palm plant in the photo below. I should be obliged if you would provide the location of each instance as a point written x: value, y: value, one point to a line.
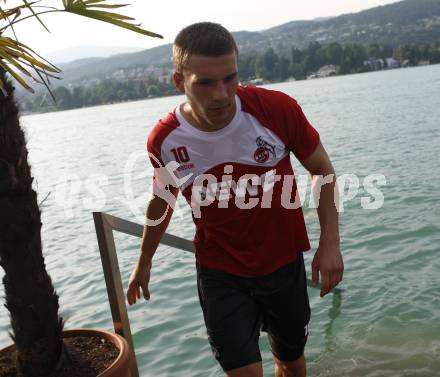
x: 30, y: 295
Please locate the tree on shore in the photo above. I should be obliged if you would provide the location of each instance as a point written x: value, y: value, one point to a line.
x: 30, y: 295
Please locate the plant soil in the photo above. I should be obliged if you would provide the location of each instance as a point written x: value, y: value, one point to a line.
x: 87, y: 357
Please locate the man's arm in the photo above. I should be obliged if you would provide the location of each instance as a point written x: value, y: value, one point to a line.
x: 151, y: 237
x: 328, y: 259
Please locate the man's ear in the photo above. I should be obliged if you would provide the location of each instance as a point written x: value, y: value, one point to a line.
x: 179, y: 81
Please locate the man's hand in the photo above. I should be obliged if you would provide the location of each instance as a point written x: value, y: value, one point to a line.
x: 327, y: 262
x: 139, y: 279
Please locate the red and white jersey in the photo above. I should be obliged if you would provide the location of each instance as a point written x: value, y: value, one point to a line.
x: 256, y: 233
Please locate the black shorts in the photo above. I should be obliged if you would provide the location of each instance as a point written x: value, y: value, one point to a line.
x: 236, y: 309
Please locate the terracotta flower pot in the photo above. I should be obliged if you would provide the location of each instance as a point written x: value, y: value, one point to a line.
x: 120, y: 367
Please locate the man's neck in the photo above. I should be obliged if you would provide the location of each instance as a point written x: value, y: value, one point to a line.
x: 197, y: 122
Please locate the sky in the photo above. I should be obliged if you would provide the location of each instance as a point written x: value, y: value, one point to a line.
x: 167, y: 17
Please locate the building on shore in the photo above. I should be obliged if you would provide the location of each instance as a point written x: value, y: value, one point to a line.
x: 392, y: 63
x: 324, y: 71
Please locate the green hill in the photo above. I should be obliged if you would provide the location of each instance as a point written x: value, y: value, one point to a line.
x: 405, y: 22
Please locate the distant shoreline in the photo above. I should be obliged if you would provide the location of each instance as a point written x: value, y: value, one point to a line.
x: 244, y: 83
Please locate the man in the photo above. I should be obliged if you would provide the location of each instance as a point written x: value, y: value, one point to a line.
x: 232, y: 145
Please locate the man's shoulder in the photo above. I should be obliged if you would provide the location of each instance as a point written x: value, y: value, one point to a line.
x: 169, y: 121
x: 254, y: 92
x: 161, y: 130
x: 164, y: 125
x: 255, y: 99
x: 271, y: 106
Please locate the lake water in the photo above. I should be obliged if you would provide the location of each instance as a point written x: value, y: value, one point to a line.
x: 387, y: 320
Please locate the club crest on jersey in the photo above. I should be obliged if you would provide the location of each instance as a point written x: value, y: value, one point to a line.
x: 264, y: 151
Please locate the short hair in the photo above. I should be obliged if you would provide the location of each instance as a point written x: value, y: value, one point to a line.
x: 202, y: 38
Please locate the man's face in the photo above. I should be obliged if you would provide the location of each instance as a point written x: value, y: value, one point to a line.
x: 210, y: 85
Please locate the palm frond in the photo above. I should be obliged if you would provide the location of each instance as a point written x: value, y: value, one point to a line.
x: 16, y: 76
x: 20, y: 60
x: 23, y: 46
x: 18, y: 55
x: 29, y: 6
x: 3, y: 89
x: 9, y: 12
x: 16, y: 49
x: 16, y: 11
x: 87, y: 8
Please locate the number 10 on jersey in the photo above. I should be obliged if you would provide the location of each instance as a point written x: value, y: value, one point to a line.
x: 180, y: 154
